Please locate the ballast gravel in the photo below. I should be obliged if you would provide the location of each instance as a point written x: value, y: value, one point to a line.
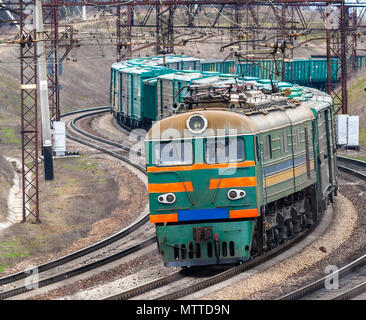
x: 122, y: 276
x: 282, y: 275
x: 253, y: 286
x: 133, y: 203
x: 108, y: 128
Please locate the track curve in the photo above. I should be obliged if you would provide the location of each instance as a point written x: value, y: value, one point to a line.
x: 356, y: 168
x: 13, y: 278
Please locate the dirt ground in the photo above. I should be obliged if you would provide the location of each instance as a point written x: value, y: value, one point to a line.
x: 6, y: 181
x: 83, y: 193
x: 88, y: 201
x: 80, y: 196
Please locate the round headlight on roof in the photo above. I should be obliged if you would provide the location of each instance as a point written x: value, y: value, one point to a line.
x: 197, y: 123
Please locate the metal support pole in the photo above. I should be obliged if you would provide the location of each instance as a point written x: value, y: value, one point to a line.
x: 29, y: 123
x: 56, y: 88
x: 124, y: 22
x: 164, y: 29
x: 50, y: 20
x: 284, y: 36
x: 118, y: 33
x: 84, y: 13
x: 190, y: 15
x: 329, y: 80
x: 43, y: 93
x: 237, y: 23
x: 344, y: 18
x: 130, y: 22
x: 336, y: 41
x: 354, y: 40
x: 157, y: 28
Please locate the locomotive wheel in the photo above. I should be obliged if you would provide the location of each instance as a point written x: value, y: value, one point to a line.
x: 254, y: 249
x: 303, y: 221
x: 269, y: 234
x: 290, y: 228
x: 276, y: 236
x: 273, y: 238
x: 332, y: 197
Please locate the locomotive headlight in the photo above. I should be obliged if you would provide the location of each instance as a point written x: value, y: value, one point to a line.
x: 197, y: 123
x: 235, y: 194
x: 167, y: 198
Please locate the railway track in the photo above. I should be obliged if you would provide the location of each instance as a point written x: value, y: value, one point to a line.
x: 123, y: 150
x: 133, y: 238
x: 351, y: 278
x: 98, y: 138
x: 146, y: 290
x: 352, y: 166
x: 174, y: 286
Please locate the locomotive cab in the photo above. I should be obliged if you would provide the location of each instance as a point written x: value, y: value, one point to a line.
x: 202, y: 187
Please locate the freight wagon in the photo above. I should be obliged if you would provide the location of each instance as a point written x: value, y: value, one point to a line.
x: 143, y: 90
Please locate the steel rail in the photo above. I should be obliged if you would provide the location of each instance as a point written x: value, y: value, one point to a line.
x: 352, y: 162
x: 106, y: 108
x: 238, y: 269
x: 155, y: 283
x: 104, y: 150
x: 212, y: 280
x: 320, y: 283
x: 82, y: 252
x: 224, y: 275
x: 94, y: 137
x: 77, y: 254
x: 146, y: 287
x: 352, y: 293
x: 74, y: 272
x: 124, y: 126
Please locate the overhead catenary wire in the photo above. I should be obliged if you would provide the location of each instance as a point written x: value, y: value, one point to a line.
x: 103, y: 35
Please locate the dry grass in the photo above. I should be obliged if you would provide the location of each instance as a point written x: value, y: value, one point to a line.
x: 6, y: 180
x: 80, y: 195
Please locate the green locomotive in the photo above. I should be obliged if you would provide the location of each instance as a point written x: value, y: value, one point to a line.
x: 236, y: 171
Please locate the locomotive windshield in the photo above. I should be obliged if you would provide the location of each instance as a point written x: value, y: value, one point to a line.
x: 223, y: 150
x: 173, y: 153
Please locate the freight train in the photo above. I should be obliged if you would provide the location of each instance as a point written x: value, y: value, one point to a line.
x: 236, y: 164
x: 143, y: 90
